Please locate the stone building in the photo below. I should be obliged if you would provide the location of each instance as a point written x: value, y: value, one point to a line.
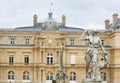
x: 31, y: 54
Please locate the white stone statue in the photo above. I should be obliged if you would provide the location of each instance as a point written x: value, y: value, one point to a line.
x: 93, y: 43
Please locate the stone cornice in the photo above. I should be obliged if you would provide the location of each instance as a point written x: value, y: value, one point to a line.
x: 19, y: 33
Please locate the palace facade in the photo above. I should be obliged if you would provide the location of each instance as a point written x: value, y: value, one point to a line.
x: 31, y: 54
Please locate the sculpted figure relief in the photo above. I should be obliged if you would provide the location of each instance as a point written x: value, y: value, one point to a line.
x: 93, y: 43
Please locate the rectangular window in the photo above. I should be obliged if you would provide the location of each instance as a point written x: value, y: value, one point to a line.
x: 72, y: 59
x: 11, y: 59
x: 71, y: 41
x: 27, y: 41
x: 12, y: 42
x: 42, y: 43
x: 26, y: 59
x: 49, y: 59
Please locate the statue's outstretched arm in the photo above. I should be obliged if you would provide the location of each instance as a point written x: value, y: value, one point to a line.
x: 82, y: 36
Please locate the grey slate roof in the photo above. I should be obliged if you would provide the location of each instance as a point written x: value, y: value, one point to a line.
x: 70, y: 29
x: 61, y: 28
x: 39, y: 28
x: 29, y: 28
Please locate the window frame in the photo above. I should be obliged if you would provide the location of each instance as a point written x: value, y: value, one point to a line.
x: 49, y: 76
x: 27, y: 41
x: 11, y: 59
x: 72, y: 76
x: 26, y: 75
x: 104, y: 77
x: 12, y: 41
x: 72, y: 41
x: 49, y: 59
x: 11, y: 75
x: 26, y: 59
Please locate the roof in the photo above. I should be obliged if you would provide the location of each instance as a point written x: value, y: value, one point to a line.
x: 29, y: 28
x: 49, y: 24
x: 39, y: 28
x: 70, y: 29
x: 116, y: 26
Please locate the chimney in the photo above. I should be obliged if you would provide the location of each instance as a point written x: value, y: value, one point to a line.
x: 35, y: 20
x: 107, y: 23
x: 115, y: 18
x: 64, y: 20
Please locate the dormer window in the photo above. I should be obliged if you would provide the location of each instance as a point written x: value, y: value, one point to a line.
x: 50, y: 23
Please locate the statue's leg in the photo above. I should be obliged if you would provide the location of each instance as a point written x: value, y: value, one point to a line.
x: 94, y: 65
x: 88, y: 60
x: 98, y: 74
x: 94, y: 70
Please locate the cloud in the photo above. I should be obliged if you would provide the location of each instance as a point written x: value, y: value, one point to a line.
x: 82, y: 13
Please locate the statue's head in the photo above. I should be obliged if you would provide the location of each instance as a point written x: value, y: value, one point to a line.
x: 94, y: 32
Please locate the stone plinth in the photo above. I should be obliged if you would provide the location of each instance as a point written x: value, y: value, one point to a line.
x: 90, y: 81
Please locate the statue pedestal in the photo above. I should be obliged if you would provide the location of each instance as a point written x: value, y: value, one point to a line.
x: 90, y: 81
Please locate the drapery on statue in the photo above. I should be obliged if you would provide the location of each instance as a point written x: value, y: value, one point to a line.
x: 93, y: 43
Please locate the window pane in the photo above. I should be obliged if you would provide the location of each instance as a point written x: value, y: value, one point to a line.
x: 51, y: 60
x: 51, y: 76
x: 47, y: 77
x: 47, y: 60
x: 70, y: 77
x: 74, y: 77
x: 103, y: 76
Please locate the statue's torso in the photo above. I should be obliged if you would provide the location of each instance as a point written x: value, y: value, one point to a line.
x: 93, y: 41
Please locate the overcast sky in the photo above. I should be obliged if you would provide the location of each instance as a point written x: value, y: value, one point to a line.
x: 88, y: 14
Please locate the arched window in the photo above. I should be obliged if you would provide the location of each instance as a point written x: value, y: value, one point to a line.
x: 49, y: 58
x: 72, y: 76
x: 26, y: 75
x: 49, y: 76
x: 11, y: 75
x: 103, y: 75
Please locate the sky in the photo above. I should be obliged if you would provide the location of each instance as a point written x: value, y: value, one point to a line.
x: 87, y: 14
